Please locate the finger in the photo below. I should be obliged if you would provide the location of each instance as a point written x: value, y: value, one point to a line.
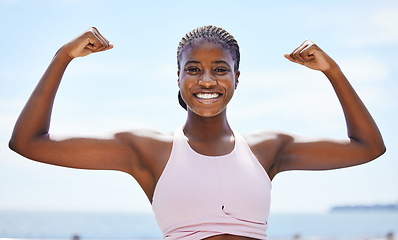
x: 293, y: 53
x: 307, y: 53
x: 109, y: 47
x: 103, y: 40
x: 97, y: 42
x: 292, y: 56
x: 92, y: 45
x: 101, y: 36
x: 297, y: 54
x: 287, y: 56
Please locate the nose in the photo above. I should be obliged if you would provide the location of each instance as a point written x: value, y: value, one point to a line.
x: 207, y: 80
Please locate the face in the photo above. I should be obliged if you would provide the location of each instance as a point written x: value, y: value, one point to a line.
x: 207, y: 79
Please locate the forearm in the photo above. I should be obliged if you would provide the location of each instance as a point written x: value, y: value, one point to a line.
x: 34, y: 120
x: 361, y: 127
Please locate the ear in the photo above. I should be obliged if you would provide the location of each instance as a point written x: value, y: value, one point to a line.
x: 178, y: 79
x: 237, y: 74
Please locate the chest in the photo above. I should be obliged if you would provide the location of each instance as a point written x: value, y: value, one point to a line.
x: 197, y: 186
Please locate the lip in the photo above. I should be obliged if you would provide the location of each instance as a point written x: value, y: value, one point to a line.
x: 207, y: 91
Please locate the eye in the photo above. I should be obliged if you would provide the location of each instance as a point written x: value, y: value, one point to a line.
x: 221, y: 70
x: 192, y: 70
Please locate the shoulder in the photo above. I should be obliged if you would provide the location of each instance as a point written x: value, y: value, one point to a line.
x: 266, y: 146
x: 151, y: 146
x: 152, y: 150
x: 267, y: 137
x: 144, y: 136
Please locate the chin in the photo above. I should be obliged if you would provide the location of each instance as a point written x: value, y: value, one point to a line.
x: 207, y: 113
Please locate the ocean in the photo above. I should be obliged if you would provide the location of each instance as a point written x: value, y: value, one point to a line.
x: 134, y: 226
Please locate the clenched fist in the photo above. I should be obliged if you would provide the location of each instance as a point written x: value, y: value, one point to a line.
x: 311, y: 56
x: 87, y: 43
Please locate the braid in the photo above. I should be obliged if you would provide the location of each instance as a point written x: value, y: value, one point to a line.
x: 210, y: 34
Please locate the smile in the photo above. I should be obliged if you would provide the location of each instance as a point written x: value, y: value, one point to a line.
x: 207, y: 95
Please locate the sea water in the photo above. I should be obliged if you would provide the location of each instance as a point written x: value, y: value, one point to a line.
x: 335, y: 225
x: 89, y: 225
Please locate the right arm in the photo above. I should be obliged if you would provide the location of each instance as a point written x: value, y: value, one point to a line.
x: 31, y: 137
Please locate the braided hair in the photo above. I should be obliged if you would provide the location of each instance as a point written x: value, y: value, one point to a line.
x: 210, y: 34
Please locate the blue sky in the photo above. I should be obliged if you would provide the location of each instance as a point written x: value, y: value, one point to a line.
x: 134, y: 85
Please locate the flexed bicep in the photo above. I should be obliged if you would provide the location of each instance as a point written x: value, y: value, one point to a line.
x: 30, y: 136
x: 298, y: 153
x: 364, y: 141
x: 82, y: 153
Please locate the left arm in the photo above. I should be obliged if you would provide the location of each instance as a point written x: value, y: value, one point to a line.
x: 364, y: 142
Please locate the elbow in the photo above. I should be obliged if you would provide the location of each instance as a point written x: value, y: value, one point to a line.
x: 13, y: 145
x: 370, y: 150
x: 381, y: 150
x: 17, y: 145
x: 25, y: 146
x: 377, y: 151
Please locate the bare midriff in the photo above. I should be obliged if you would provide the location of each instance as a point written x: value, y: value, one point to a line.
x: 228, y: 237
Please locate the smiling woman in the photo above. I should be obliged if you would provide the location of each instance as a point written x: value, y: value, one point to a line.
x: 208, y: 34
x: 205, y: 180
x: 207, y: 79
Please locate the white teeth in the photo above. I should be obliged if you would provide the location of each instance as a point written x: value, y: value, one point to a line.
x: 207, y: 95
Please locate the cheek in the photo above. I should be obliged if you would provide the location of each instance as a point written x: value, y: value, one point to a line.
x: 229, y: 84
x: 186, y: 82
x: 185, y: 85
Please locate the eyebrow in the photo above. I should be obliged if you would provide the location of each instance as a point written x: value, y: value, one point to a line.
x: 219, y: 61
x: 191, y: 62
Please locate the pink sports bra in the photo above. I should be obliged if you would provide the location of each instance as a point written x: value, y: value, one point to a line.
x: 200, y: 196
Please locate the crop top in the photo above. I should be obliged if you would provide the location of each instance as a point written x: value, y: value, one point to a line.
x: 200, y: 196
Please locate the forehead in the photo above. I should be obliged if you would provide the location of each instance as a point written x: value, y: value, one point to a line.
x: 206, y: 51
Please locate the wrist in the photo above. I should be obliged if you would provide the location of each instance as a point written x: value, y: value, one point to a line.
x: 333, y: 69
x: 63, y: 54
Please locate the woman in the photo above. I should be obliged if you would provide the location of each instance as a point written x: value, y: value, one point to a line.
x: 205, y: 180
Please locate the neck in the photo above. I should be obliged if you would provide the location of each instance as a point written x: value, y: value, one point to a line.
x: 198, y: 127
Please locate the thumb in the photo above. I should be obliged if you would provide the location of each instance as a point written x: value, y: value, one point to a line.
x: 109, y: 47
x: 287, y: 56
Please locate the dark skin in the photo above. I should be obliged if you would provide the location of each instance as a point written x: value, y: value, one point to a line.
x: 207, y: 79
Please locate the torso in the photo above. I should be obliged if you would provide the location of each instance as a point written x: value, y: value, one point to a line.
x: 207, y: 195
x: 264, y: 146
